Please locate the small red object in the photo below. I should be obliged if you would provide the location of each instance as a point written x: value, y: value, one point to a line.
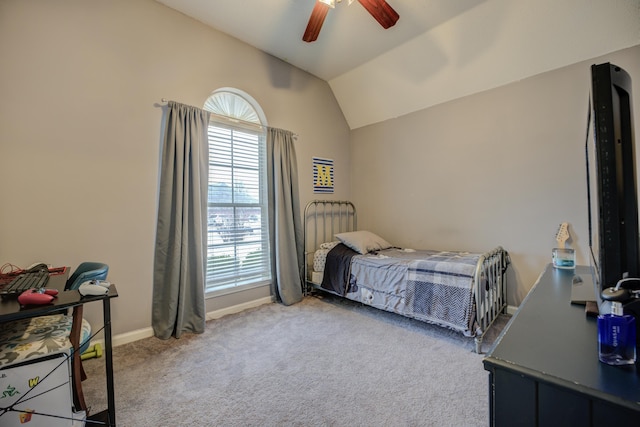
x: 35, y: 297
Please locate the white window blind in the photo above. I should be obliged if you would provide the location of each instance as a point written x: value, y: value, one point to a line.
x: 238, y: 241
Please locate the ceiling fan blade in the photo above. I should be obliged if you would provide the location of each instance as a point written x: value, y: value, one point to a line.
x: 316, y: 20
x: 381, y: 11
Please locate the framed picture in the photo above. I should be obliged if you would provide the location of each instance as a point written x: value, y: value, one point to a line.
x: 322, y: 175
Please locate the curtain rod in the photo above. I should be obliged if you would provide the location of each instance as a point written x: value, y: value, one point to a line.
x: 233, y: 119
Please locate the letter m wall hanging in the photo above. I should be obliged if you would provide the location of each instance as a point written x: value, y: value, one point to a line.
x: 322, y: 175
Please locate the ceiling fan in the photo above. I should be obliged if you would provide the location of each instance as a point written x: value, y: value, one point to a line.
x: 379, y: 9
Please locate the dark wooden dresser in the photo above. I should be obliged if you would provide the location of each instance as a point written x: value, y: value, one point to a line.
x: 544, y: 368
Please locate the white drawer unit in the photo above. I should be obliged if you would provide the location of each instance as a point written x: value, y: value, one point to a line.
x: 37, y: 393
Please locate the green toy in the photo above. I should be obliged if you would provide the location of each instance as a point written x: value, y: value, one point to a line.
x: 93, y: 351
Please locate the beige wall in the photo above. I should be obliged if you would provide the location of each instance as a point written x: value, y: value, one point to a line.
x: 80, y: 126
x: 502, y: 167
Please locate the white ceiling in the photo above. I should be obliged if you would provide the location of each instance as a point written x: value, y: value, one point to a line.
x: 438, y: 50
x: 349, y: 37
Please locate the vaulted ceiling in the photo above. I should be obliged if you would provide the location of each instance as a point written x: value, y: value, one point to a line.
x: 438, y: 50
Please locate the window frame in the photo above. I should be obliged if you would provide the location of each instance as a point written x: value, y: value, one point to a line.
x: 248, y: 122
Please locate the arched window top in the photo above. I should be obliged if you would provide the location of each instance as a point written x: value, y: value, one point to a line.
x: 235, y: 104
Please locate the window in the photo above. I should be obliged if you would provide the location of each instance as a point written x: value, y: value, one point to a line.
x: 237, y: 232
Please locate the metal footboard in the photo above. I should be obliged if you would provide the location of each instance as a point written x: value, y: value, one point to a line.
x: 490, y: 291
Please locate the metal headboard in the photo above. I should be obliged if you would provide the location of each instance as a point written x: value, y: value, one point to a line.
x: 322, y: 220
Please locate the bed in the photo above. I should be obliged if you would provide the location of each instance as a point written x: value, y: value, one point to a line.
x: 459, y: 290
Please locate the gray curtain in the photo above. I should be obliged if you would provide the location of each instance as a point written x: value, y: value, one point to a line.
x: 285, y: 230
x: 181, y: 247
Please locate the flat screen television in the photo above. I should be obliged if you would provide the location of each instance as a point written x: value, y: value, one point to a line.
x: 611, y: 176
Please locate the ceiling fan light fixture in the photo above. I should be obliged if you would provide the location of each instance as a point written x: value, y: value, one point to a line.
x: 330, y: 3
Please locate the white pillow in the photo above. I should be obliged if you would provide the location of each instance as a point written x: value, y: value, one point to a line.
x: 363, y: 241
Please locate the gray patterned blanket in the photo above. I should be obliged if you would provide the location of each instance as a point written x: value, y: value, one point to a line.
x: 440, y: 289
x: 432, y: 286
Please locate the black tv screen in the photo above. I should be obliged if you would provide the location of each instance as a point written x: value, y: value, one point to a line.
x: 611, y: 160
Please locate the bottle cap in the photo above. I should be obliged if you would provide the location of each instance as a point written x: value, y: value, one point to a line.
x: 613, y: 294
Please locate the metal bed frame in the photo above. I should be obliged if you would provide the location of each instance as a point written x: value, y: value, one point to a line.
x: 325, y: 218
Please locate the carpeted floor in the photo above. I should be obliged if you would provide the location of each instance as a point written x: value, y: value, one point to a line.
x: 322, y: 362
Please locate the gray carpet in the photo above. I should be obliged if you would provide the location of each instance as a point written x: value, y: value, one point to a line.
x: 322, y: 362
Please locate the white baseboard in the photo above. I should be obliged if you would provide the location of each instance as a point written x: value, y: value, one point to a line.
x: 511, y: 309
x: 238, y: 308
x: 139, y: 334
